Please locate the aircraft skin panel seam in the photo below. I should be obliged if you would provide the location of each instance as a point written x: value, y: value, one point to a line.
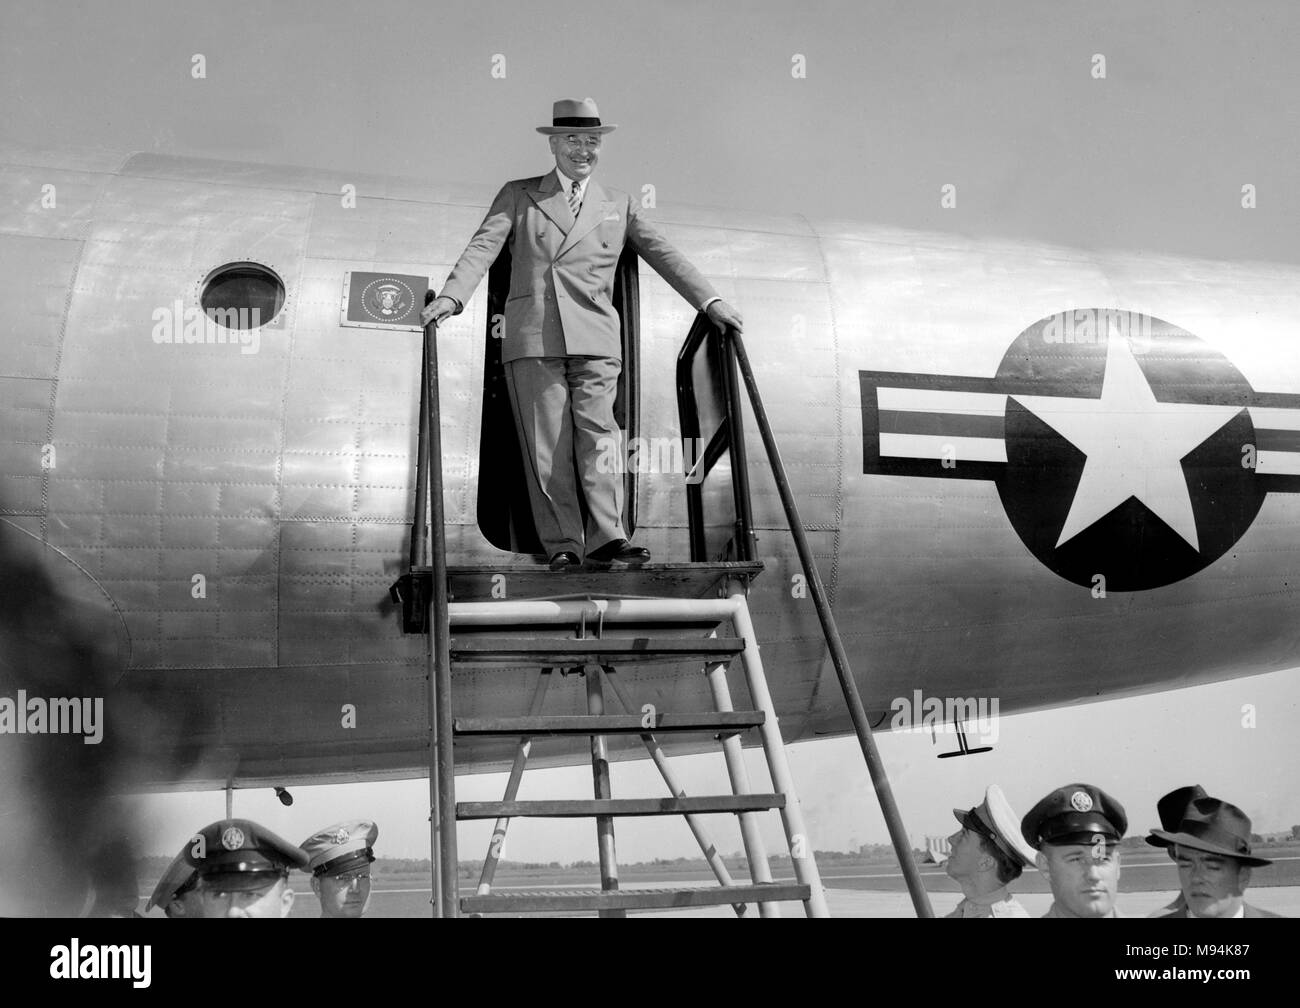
x: 99, y: 586
x: 1075, y: 619
x: 285, y: 379
x: 836, y: 529
x: 58, y: 354
x: 44, y: 238
x: 265, y: 185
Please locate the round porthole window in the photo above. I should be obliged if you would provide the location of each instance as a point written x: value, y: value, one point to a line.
x: 242, y: 295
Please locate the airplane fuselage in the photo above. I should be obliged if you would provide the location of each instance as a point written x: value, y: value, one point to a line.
x: 1005, y: 501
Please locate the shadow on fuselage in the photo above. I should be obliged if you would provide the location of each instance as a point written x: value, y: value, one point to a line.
x: 69, y: 837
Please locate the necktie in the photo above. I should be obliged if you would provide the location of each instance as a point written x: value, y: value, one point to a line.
x: 575, y: 198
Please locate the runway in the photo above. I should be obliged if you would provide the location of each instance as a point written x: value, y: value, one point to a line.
x: 860, y: 903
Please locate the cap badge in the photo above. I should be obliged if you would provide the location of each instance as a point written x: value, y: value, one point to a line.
x: 340, y: 837
x: 1082, y: 801
x: 232, y: 838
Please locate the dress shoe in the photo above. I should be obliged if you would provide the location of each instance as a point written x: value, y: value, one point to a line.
x: 564, y: 560
x: 620, y: 551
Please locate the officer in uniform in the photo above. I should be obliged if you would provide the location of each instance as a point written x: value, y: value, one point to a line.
x: 987, y: 853
x: 243, y: 869
x: 177, y: 892
x: 1212, y: 848
x: 1170, y: 810
x: 1076, y: 830
x: 339, y: 859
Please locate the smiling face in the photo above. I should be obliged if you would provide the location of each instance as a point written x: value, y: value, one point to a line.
x: 1212, y: 885
x: 344, y: 895
x: 1084, y: 877
x: 576, y: 154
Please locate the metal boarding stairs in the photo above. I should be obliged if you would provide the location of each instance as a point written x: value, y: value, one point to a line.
x: 594, y: 637
x: 696, y: 612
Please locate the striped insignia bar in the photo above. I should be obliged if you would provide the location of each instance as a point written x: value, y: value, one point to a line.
x: 1140, y: 452
x: 1277, y: 440
x: 917, y: 423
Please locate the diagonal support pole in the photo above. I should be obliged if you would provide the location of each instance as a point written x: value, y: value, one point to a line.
x: 696, y: 824
x: 497, y: 843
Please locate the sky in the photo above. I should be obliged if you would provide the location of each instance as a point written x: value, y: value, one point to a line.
x: 999, y: 99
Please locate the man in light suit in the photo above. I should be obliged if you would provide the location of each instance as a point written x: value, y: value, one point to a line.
x: 561, y: 345
x: 1212, y: 848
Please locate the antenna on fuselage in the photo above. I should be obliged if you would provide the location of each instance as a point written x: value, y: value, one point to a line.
x: 963, y: 749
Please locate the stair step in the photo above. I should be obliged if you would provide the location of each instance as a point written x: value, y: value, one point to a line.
x: 558, y: 651
x: 573, y: 900
x: 567, y: 808
x: 728, y: 723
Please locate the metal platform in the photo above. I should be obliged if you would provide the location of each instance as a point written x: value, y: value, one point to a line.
x: 483, y: 583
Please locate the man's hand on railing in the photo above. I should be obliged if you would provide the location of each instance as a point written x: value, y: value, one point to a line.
x: 437, y: 310
x: 722, y: 315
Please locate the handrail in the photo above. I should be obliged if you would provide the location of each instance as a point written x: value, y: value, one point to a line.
x: 866, y: 741
x: 431, y: 539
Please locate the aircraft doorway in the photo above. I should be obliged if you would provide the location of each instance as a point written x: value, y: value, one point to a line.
x: 717, y: 487
x: 504, y: 515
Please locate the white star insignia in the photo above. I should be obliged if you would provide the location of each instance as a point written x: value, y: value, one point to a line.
x: 1134, y: 444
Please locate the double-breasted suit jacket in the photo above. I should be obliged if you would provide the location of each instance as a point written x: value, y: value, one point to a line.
x: 562, y: 270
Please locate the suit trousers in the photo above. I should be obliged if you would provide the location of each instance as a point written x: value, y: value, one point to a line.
x: 564, y: 413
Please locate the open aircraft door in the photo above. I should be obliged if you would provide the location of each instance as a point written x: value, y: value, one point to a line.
x: 504, y: 515
x: 713, y: 446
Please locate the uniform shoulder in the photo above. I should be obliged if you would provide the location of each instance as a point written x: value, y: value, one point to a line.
x: 1254, y: 911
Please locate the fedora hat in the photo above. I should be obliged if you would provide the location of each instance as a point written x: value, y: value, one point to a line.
x: 1171, y: 807
x: 569, y: 115
x: 1215, y: 827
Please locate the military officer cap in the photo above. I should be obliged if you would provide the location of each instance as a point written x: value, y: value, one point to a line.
x: 179, y: 878
x: 1171, y: 808
x: 238, y: 855
x: 993, y: 819
x: 1074, y: 814
x: 341, y: 848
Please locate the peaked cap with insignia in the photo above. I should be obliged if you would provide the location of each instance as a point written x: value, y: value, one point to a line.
x: 239, y: 854
x: 340, y: 848
x: 1074, y: 814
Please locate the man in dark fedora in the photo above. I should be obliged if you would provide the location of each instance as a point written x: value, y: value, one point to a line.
x: 1212, y: 848
x: 561, y: 348
x: 1170, y: 809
